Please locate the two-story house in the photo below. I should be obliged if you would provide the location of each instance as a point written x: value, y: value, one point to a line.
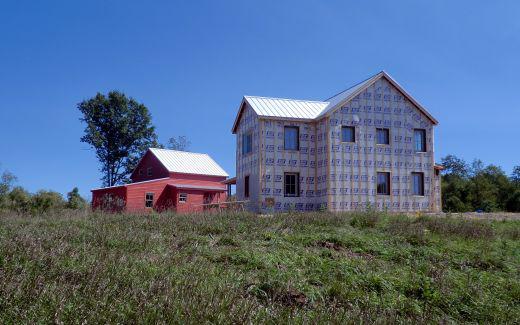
x: 370, y: 145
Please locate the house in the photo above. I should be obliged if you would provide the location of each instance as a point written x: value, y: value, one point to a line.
x: 167, y: 180
x: 371, y: 145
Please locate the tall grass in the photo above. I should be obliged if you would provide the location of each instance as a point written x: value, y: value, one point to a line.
x: 240, y: 268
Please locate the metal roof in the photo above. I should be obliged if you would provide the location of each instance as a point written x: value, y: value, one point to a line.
x: 281, y: 107
x: 311, y: 110
x: 337, y: 99
x: 188, y: 162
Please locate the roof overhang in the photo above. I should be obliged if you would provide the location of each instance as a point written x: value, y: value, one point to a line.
x: 438, y: 167
x: 327, y: 111
x: 198, y: 187
x: 369, y: 83
x: 239, y: 114
x: 129, y: 184
x: 230, y: 181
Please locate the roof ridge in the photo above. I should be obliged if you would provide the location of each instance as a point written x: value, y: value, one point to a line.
x: 288, y: 99
x: 357, y: 84
x: 190, y: 152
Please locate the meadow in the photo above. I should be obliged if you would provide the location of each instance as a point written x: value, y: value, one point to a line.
x: 84, y: 267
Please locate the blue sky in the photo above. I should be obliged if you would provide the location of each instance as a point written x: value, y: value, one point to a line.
x: 191, y: 62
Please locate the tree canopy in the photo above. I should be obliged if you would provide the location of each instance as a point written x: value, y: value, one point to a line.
x: 180, y: 143
x: 475, y: 186
x: 120, y: 130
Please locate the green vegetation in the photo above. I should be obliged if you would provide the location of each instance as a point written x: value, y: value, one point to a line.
x: 17, y: 199
x: 477, y: 187
x: 237, y: 268
x: 120, y: 130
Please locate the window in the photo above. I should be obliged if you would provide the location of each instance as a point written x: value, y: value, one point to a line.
x: 419, y: 136
x: 140, y: 172
x: 148, y: 200
x: 246, y: 186
x: 418, y: 183
x: 383, y: 183
x: 383, y: 136
x: 183, y: 197
x: 247, y: 143
x: 291, y: 138
x: 292, y: 184
x: 348, y: 134
x: 149, y: 171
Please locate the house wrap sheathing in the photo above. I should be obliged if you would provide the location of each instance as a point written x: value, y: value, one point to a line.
x: 336, y: 175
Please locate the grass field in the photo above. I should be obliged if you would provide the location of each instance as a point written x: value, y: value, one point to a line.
x: 240, y: 268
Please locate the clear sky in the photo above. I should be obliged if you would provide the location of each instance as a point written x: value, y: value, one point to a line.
x: 191, y: 62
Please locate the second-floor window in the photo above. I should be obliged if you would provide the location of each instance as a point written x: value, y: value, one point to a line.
x: 149, y: 171
x: 348, y: 134
x: 247, y: 143
x: 291, y: 138
x: 419, y: 140
x: 382, y: 136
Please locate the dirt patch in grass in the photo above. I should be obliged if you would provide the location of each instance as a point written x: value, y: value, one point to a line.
x: 343, y: 250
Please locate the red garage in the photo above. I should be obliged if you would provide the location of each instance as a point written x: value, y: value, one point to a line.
x: 167, y: 180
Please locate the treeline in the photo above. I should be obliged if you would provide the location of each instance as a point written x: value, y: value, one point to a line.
x: 16, y: 198
x: 477, y: 187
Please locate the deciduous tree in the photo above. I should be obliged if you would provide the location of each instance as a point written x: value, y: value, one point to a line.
x: 120, y: 130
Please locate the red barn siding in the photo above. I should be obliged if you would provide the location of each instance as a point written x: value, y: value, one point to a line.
x: 116, y: 203
x: 166, y: 197
x: 136, y: 195
x: 149, y: 161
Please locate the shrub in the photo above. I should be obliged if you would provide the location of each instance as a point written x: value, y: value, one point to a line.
x: 411, y: 230
x: 365, y: 220
x: 19, y: 200
x: 513, y: 203
x: 75, y: 201
x: 44, y: 201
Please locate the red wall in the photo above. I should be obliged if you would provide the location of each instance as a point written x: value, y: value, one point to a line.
x: 117, y: 201
x: 165, y: 197
x: 198, y: 179
x: 195, y: 200
x: 149, y: 160
x: 136, y: 195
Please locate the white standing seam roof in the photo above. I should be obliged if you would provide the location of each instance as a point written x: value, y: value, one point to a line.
x: 188, y: 162
x: 311, y: 110
x: 280, y: 107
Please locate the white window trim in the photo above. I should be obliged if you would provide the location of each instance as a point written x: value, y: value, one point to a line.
x: 146, y: 200
x: 183, y: 197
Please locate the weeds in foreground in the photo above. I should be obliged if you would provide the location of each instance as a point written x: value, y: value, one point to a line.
x: 244, y: 268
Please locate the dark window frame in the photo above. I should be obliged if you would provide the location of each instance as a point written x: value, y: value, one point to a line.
x: 424, y: 148
x: 293, y: 127
x: 148, y: 202
x: 149, y: 171
x: 353, y: 128
x: 296, y: 185
x: 387, y: 131
x: 183, y: 197
x: 247, y: 180
x: 421, y: 184
x: 387, y: 181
